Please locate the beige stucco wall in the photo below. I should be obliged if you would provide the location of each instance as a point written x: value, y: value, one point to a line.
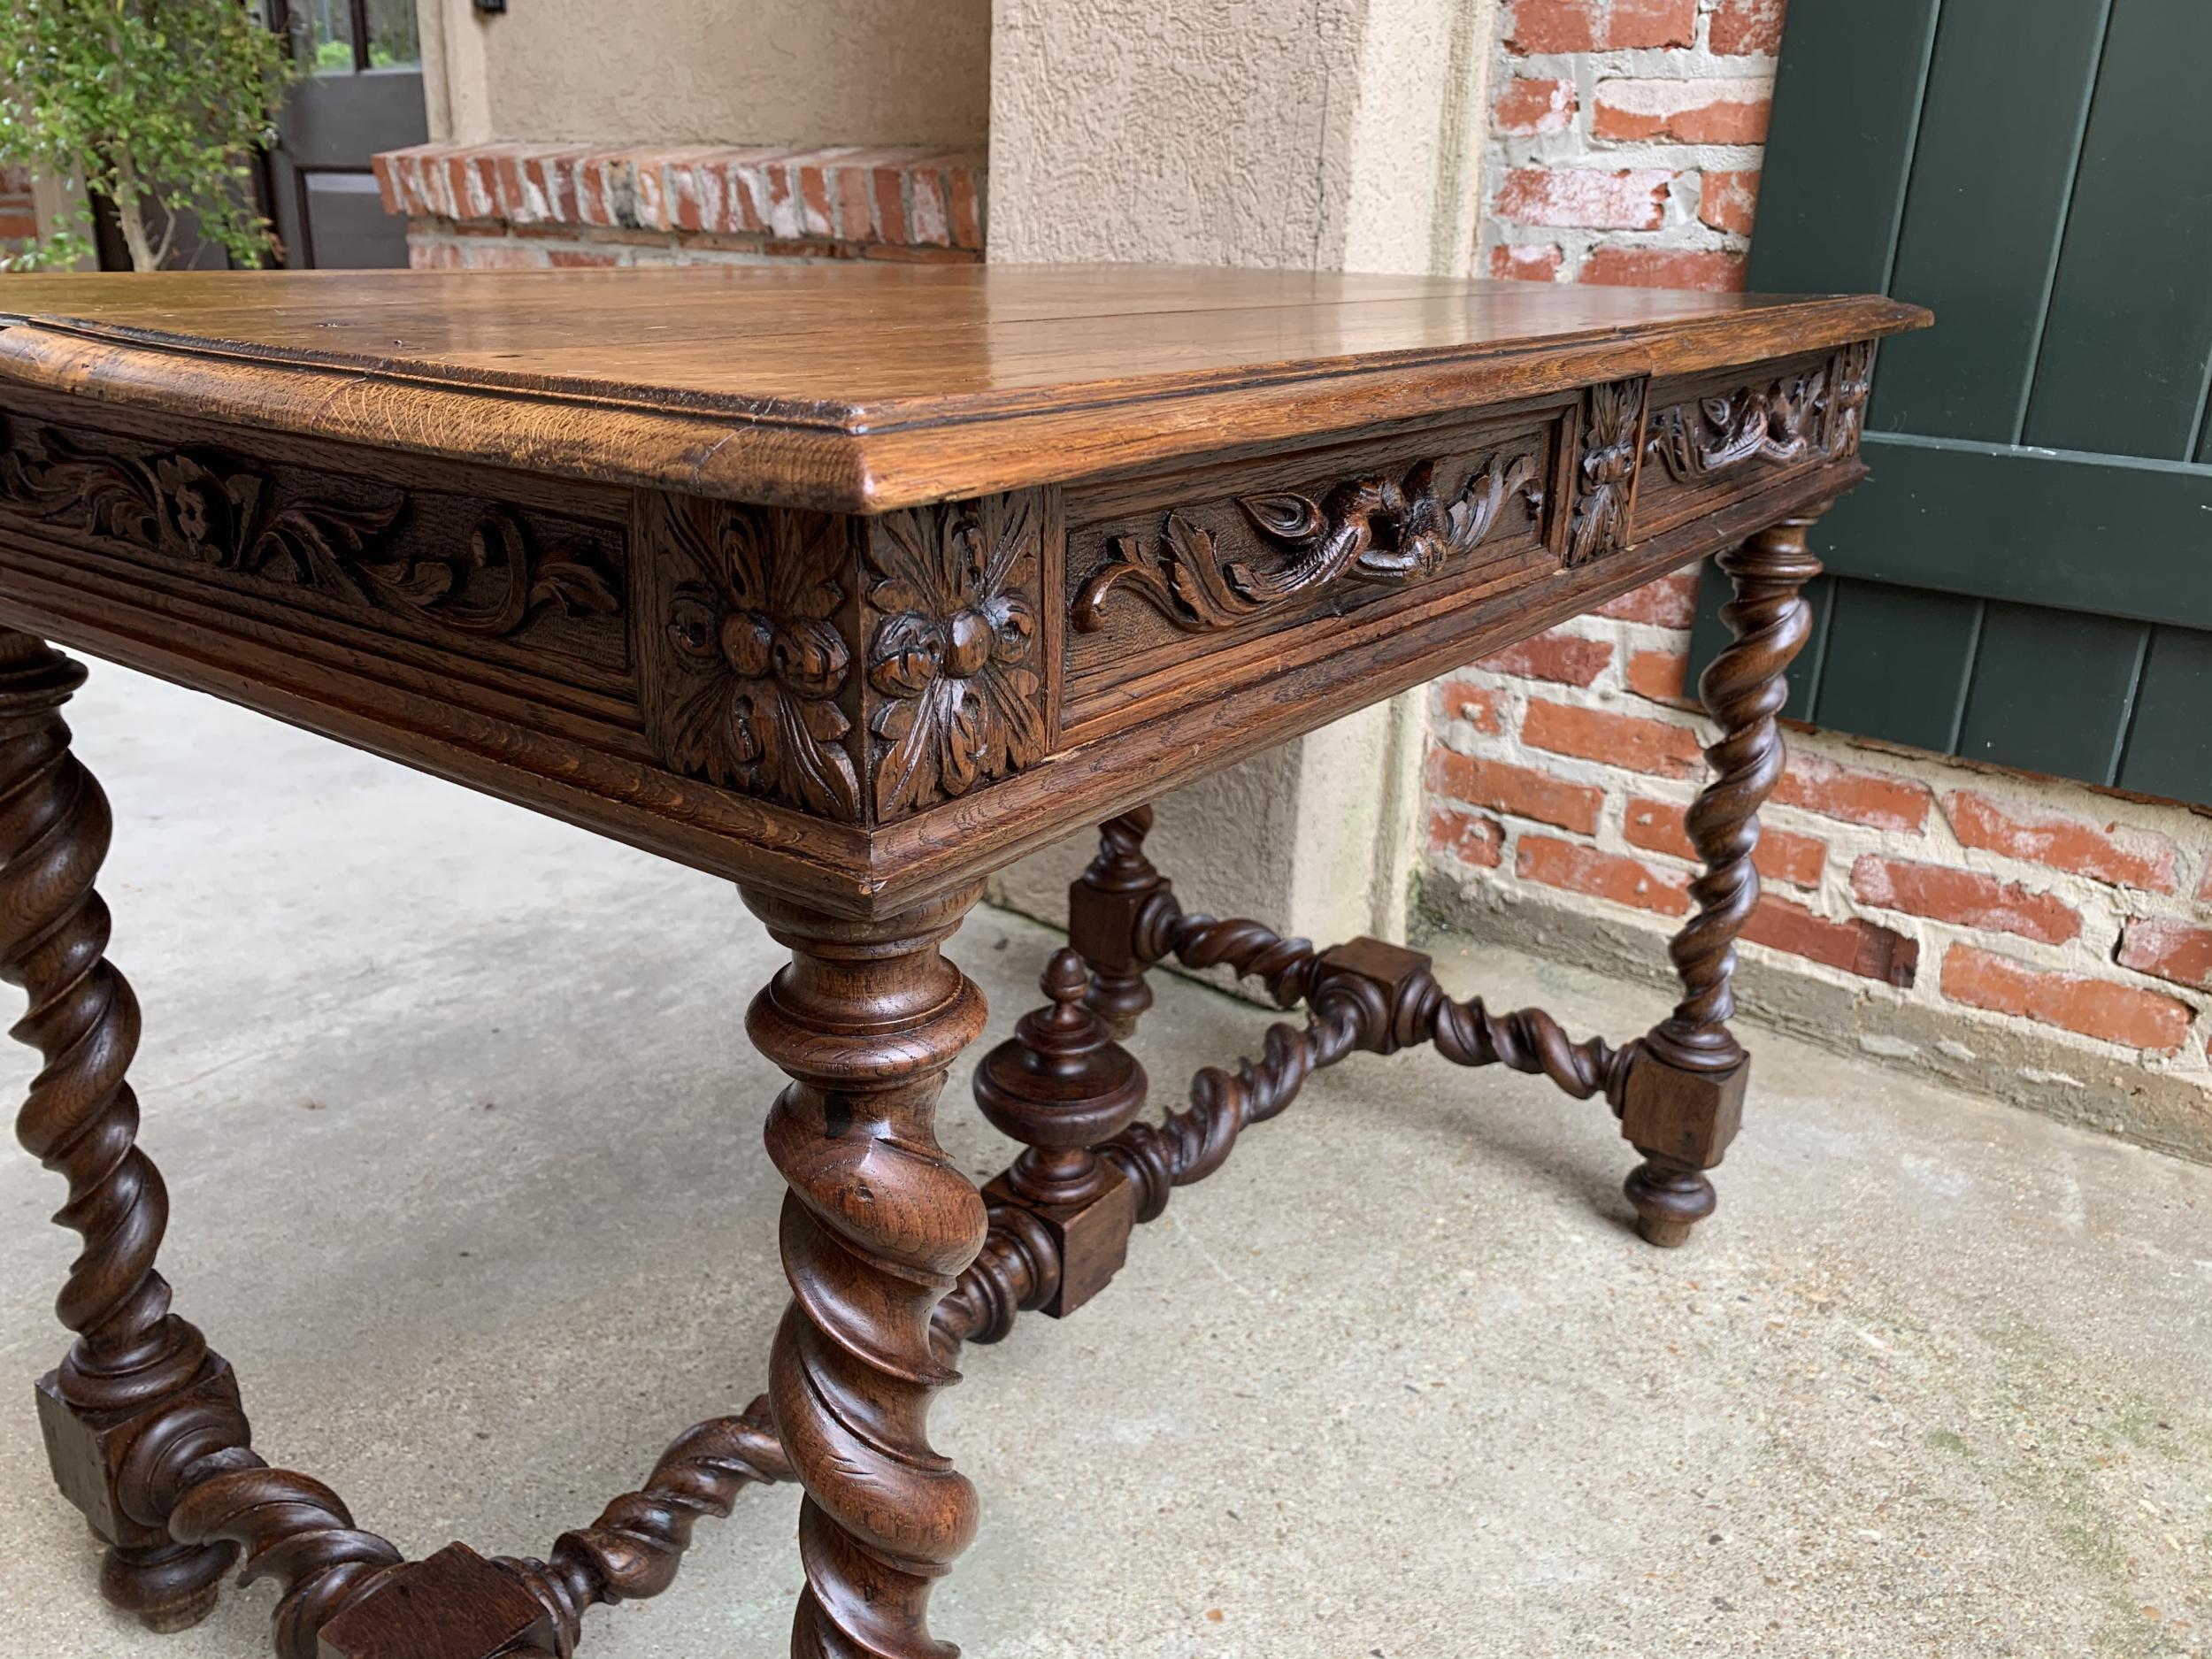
x: 771, y: 72
x: 1328, y: 134
x: 1331, y: 133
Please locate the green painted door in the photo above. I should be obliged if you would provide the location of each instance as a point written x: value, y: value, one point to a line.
x: 2027, y: 578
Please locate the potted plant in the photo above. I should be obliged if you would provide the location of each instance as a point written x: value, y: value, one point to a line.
x: 158, y: 105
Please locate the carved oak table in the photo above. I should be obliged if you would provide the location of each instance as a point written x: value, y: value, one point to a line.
x: 851, y: 584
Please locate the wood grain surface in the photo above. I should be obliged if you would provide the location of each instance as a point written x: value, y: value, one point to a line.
x: 858, y: 389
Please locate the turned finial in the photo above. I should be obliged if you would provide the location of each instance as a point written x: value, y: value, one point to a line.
x: 1060, y: 1085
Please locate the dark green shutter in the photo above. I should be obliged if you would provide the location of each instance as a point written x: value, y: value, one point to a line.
x: 2027, y: 578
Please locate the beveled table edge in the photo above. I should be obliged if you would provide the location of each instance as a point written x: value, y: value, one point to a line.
x: 871, y: 457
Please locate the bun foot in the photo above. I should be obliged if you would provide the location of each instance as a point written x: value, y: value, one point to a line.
x: 1669, y: 1202
x: 166, y: 1588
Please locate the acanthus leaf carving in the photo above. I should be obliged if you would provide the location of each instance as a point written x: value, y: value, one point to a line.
x: 750, y: 681
x: 1605, y: 470
x: 1375, y: 529
x: 438, y: 586
x: 1774, y: 424
x: 954, y: 654
x: 203, y: 506
x: 1817, y: 412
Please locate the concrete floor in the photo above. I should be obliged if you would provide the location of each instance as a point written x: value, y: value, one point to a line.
x: 463, y: 1136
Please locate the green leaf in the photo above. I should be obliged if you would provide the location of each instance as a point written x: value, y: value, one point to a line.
x: 159, y: 106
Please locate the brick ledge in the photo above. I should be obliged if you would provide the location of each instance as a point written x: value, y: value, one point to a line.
x: 844, y: 198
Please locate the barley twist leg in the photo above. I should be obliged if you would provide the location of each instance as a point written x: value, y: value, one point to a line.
x: 132, y: 1357
x: 1685, y: 1092
x: 879, y: 1223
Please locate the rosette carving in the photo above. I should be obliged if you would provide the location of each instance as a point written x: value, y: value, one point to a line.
x: 748, y: 663
x: 955, y: 651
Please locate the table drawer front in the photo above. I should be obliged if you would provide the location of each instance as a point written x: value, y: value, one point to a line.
x: 487, y: 578
x: 1220, y: 564
x: 1712, y: 438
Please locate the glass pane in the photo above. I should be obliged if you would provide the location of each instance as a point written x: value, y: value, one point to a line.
x: 393, y: 42
x: 323, y: 35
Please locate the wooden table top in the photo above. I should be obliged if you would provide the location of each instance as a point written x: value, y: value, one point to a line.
x: 862, y: 388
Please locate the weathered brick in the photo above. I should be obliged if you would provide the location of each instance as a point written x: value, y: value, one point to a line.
x: 2204, y: 887
x: 693, y: 184
x: 1669, y: 603
x: 1525, y: 261
x: 851, y: 214
x: 1519, y: 791
x: 1783, y: 855
x: 1660, y: 675
x: 556, y: 174
x: 1966, y: 897
x: 1619, y: 740
x: 1702, y: 269
x: 1743, y: 28
x: 925, y: 196
x: 1708, y: 111
x: 811, y: 187
x: 2167, y: 950
x: 483, y: 183
x: 1589, y: 198
x: 1528, y: 104
x: 745, y: 190
x: 2079, y: 1002
x: 1480, y: 706
x: 966, y: 205
x: 1856, y: 797
x: 2112, y: 853
x: 1589, y: 26
x: 1728, y: 199
x: 891, y: 217
x: 387, y: 188
x: 1629, y: 882
x: 1467, y: 837
x: 1566, y: 660
x: 1854, y: 945
x: 581, y: 258
x: 507, y: 161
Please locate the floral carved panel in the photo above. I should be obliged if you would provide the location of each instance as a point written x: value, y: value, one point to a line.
x: 860, y: 670
x: 748, y: 663
x: 955, y: 668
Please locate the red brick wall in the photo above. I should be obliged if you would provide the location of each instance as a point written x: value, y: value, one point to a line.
x: 2061, y: 936
x: 1625, y: 138
x: 19, y: 213
x: 523, y: 205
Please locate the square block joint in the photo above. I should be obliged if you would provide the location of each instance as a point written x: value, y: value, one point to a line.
x: 1687, y: 1117
x: 1093, y: 1237
x: 1386, y: 968
x: 452, y: 1605
x: 86, y: 1451
x: 1103, y: 926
